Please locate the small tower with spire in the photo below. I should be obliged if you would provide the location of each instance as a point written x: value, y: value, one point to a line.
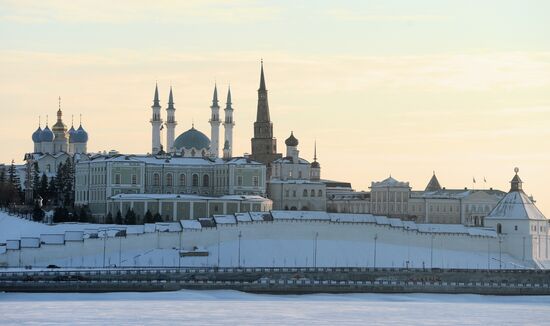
x: 315, y: 172
x: 59, y: 129
x: 170, y: 122
x: 156, y: 123
x: 215, y: 124
x: 228, y: 125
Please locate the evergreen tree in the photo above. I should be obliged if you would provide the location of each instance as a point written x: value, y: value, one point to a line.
x: 130, y: 217
x: 36, y: 179
x: 60, y: 215
x: 14, y: 184
x: 84, y: 214
x: 37, y: 213
x: 67, y: 175
x: 52, y: 190
x: 148, y: 218
x: 118, y: 218
x: 2, y: 174
x: 59, y: 178
x: 43, y: 190
x: 109, y: 218
x: 157, y: 218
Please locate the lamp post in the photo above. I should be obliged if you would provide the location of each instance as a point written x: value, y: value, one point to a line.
x: 499, y: 252
x: 432, y: 251
x: 218, y: 248
x: 104, y: 245
x: 315, y: 250
x: 375, y: 238
x: 240, y: 236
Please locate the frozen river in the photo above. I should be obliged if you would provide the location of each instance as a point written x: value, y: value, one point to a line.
x: 235, y: 308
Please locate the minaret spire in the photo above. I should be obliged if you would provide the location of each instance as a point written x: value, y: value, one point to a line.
x: 315, y: 150
x: 215, y: 124
x: 262, y: 78
x: 156, y: 123
x: 170, y: 122
x: 228, y: 125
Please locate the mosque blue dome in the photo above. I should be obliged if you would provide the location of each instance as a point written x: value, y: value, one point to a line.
x: 36, y: 135
x: 71, y: 134
x: 192, y: 138
x: 80, y: 135
x: 46, y: 135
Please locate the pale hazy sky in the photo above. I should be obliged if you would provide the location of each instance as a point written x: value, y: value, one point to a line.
x: 402, y: 87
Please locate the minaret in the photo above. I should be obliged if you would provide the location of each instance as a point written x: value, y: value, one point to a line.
x: 264, y: 145
x: 156, y: 123
x: 228, y: 125
x: 215, y: 124
x: 170, y: 123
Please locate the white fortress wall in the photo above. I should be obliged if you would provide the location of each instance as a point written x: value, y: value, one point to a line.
x: 282, y: 242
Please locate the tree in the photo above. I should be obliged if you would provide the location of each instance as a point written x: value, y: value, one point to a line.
x: 130, y: 217
x: 37, y: 213
x: 14, y: 184
x: 52, y: 190
x: 43, y: 189
x: 109, y: 218
x: 60, y: 215
x: 157, y: 218
x: 148, y: 218
x: 118, y: 218
x: 85, y: 214
x: 36, y: 178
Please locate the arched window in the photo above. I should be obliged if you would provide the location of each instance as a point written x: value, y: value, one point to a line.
x: 305, y: 193
x: 182, y: 179
x: 320, y: 193
x: 312, y: 194
x: 205, y: 180
x: 169, y: 180
x: 499, y: 228
x: 156, y: 179
x: 195, y: 180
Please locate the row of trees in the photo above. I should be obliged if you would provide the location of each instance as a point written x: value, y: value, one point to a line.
x: 10, y: 186
x: 57, y: 190
x: 131, y: 218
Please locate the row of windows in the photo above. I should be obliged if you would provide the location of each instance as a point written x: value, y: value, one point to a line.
x: 182, y: 180
x: 305, y: 193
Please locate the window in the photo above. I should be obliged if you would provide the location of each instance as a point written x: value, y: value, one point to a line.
x: 499, y: 228
x: 515, y: 227
x: 117, y: 178
x: 294, y: 194
x: 169, y: 180
x: 205, y: 180
x: 134, y: 179
x: 299, y: 174
x: 287, y: 193
x: 156, y: 179
x: 182, y: 179
x: 312, y: 193
x: 320, y: 193
x: 255, y: 181
x: 195, y: 180
x: 305, y: 193
x: 239, y: 180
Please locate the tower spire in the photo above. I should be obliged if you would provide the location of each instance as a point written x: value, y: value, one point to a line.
x: 72, y: 120
x: 215, y: 96
x: 262, y: 78
x: 156, y: 101
x: 39, y: 122
x: 315, y: 150
x: 228, y: 96
x: 171, y: 99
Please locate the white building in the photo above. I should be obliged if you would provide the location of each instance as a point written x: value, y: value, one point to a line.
x: 295, y: 183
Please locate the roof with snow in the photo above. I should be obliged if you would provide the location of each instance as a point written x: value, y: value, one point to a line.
x: 389, y: 182
x: 516, y: 205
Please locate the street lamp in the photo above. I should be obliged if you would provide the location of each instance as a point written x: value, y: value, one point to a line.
x: 315, y: 250
x: 375, y: 238
x: 432, y: 252
x: 240, y: 236
x: 218, y: 248
x: 499, y: 252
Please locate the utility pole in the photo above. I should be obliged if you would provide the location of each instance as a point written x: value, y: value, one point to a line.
x: 375, y: 238
x: 240, y: 236
x: 315, y: 250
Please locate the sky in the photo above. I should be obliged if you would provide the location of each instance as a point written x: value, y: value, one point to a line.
x: 406, y: 88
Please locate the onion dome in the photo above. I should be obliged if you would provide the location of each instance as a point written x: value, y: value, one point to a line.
x: 36, y: 135
x: 80, y: 135
x: 291, y: 141
x: 72, y: 132
x: 192, y: 138
x: 46, y: 135
x: 315, y: 165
